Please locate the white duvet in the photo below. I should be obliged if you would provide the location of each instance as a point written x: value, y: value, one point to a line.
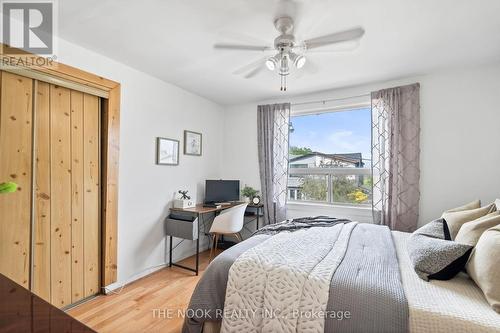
x: 453, y: 306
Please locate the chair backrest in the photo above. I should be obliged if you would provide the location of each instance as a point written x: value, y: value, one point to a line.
x: 230, y: 220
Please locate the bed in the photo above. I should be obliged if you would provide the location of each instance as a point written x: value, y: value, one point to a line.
x: 330, y: 275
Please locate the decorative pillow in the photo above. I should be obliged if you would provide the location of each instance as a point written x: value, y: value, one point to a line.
x: 471, y: 205
x: 435, y: 229
x: 433, y: 255
x: 455, y: 220
x: 470, y: 232
x: 483, y: 266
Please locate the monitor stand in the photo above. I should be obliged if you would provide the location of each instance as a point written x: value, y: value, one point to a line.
x: 217, y: 204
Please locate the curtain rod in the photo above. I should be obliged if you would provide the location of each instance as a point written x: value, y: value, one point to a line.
x: 329, y: 100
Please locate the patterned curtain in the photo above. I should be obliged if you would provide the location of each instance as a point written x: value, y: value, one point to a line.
x: 273, y: 122
x: 396, y: 156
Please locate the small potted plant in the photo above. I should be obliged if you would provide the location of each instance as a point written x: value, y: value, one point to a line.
x: 249, y: 193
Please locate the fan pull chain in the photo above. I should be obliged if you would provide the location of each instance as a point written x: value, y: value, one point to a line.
x: 282, y: 82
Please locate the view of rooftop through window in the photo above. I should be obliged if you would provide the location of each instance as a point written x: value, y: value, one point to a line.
x: 330, y: 157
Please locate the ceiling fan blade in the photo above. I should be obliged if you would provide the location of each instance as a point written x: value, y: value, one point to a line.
x: 337, y: 37
x: 254, y: 72
x: 241, y: 47
x: 250, y: 66
x: 347, y: 46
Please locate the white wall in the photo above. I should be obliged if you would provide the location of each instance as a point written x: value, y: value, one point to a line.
x: 152, y: 108
x: 240, y: 159
x: 460, y: 138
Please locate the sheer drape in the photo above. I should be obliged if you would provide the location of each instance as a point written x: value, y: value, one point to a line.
x: 273, y: 123
x: 396, y: 156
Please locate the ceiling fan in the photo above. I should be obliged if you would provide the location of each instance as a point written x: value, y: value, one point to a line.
x: 289, y: 52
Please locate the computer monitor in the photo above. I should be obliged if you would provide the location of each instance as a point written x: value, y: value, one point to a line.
x: 222, y: 190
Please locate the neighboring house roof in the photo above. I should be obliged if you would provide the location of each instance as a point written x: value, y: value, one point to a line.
x: 354, y: 158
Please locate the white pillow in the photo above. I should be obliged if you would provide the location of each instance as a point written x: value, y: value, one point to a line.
x: 454, y: 220
x: 497, y: 203
x: 483, y: 266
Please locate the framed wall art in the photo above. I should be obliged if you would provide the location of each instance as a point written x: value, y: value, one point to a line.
x: 167, y: 151
x: 192, y: 143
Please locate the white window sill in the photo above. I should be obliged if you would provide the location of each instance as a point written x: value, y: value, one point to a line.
x: 352, y: 212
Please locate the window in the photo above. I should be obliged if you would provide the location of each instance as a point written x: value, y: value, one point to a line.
x: 330, y: 158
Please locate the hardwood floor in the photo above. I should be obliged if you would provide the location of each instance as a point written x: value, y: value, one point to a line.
x: 136, y: 307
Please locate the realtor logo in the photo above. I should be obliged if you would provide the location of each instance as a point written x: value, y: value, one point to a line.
x: 28, y: 26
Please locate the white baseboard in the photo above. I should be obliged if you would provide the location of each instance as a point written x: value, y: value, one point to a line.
x: 178, y: 256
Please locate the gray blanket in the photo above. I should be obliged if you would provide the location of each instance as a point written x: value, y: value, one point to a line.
x: 366, y: 294
x: 368, y: 284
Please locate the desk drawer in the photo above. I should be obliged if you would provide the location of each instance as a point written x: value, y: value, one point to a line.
x: 182, y: 228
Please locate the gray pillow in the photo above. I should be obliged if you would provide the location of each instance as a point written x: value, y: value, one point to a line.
x: 435, y: 229
x: 434, y: 255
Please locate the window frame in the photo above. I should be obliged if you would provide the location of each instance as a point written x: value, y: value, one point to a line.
x: 346, y: 105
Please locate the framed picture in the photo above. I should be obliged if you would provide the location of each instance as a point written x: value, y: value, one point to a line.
x: 192, y: 143
x: 167, y: 151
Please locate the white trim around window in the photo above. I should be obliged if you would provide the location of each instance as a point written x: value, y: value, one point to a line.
x: 301, y: 209
x: 331, y: 105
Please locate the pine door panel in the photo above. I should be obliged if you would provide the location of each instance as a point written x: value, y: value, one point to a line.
x: 60, y: 183
x: 41, y: 225
x: 77, y: 190
x: 15, y: 165
x: 91, y: 195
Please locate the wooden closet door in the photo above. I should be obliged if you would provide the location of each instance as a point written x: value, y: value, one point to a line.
x: 16, y: 113
x: 67, y: 174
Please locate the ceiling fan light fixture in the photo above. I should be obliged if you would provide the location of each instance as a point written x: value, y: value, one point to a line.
x: 271, y: 63
x: 300, y: 61
x: 297, y: 60
x: 284, y: 69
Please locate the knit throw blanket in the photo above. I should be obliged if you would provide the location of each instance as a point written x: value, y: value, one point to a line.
x: 282, y: 284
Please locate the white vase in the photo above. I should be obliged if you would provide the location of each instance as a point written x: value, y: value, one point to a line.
x: 247, y: 199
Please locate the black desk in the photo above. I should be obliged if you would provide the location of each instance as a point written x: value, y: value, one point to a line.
x: 199, y: 210
x: 258, y: 209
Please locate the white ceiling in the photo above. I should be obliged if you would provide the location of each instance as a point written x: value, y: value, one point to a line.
x: 173, y: 40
